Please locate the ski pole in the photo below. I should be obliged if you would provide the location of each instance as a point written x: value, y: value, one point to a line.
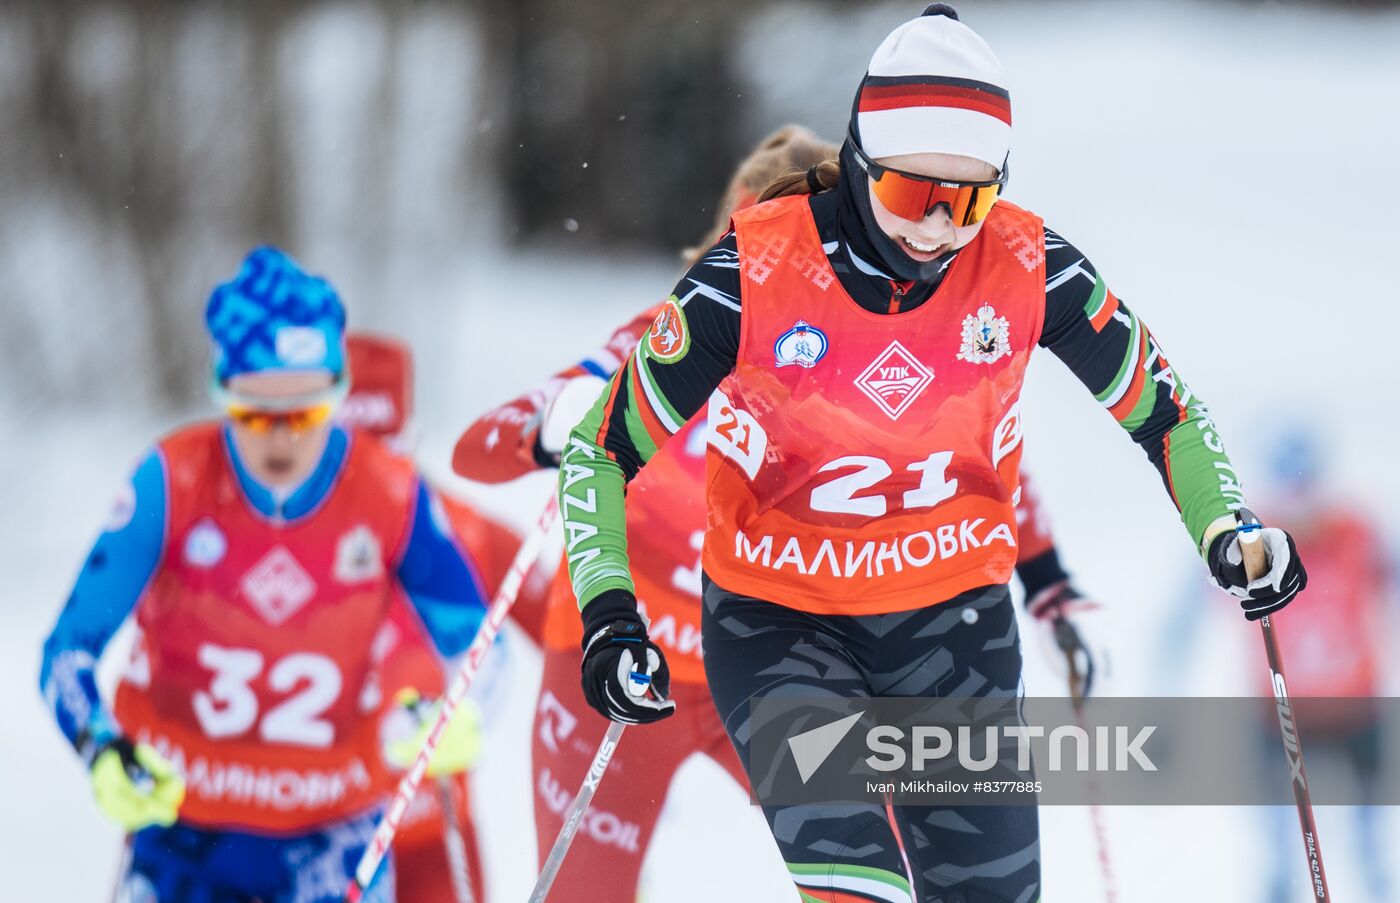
x: 123, y: 867
x: 455, y: 842
x: 1067, y: 638
x: 1256, y: 565
x: 389, y: 822
x: 574, y: 819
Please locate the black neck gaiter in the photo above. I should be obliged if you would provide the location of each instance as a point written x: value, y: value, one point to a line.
x: 865, y: 236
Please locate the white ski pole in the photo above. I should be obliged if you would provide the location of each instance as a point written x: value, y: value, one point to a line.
x: 574, y: 819
x: 119, y: 894
x: 455, y: 841
x: 389, y: 823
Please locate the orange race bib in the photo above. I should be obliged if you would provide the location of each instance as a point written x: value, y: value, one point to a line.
x: 255, y: 670
x: 863, y: 463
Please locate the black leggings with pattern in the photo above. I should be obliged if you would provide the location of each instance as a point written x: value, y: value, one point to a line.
x: 847, y: 852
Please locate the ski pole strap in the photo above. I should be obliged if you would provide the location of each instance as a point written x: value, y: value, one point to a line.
x: 574, y: 818
x: 389, y: 823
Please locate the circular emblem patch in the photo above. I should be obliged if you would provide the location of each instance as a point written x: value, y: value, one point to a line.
x: 668, y: 339
x: 803, y: 345
x: 205, y: 544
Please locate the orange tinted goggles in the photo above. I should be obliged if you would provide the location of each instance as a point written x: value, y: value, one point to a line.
x: 262, y: 421
x: 913, y: 197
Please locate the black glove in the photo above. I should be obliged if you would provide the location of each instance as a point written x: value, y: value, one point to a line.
x: 625, y: 677
x: 1285, y: 579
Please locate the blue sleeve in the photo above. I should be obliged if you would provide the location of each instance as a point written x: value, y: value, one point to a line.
x: 111, y: 582
x: 443, y: 586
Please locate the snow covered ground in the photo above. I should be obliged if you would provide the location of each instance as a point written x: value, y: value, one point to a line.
x: 1229, y: 168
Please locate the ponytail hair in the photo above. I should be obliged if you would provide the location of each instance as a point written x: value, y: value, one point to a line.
x: 819, y: 177
x: 784, y: 156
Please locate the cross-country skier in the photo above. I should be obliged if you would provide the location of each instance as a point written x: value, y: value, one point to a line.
x: 861, y: 527
x: 436, y: 848
x: 666, y: 523
x: 260, y: 555
x: 381, y: 402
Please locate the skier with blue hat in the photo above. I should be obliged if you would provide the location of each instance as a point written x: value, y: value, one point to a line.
x: 259, y: 556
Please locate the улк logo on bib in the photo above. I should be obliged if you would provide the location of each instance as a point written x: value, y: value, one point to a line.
x: 894, y: 380
x: 277, y: 586
x: 803, y: 345
x: 985, y: 337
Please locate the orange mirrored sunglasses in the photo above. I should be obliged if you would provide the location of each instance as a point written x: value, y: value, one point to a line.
x: 260, y: 420
x: 913, y: 197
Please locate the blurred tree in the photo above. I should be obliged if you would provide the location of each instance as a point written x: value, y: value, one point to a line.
x: 121, y: 138
x: 614, y: 119
x: 146, y: 144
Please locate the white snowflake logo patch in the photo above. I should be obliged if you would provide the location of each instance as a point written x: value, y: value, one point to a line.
x: 205, y: 544
x: 985, y: 337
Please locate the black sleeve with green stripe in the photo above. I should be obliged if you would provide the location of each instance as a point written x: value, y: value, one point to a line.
x: 1116, y: 357
x: 645, y: 403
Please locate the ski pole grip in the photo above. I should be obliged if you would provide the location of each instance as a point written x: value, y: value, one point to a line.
x: 1256, y: 558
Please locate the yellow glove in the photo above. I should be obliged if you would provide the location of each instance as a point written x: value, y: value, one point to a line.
x: 135, y: 786
x: 407, y: 727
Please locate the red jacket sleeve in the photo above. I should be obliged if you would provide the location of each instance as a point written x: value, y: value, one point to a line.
x: 1037, y: 561
x: 492, y: 547
x: 500, y: 446
x: 1033, y: 526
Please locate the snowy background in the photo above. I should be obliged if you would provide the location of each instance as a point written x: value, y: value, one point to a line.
x: 1230, y: 168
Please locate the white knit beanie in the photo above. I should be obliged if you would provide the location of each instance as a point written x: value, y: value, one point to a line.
x: 934, y: 86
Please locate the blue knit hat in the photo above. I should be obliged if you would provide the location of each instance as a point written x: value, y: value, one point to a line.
x: 275, y: 317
